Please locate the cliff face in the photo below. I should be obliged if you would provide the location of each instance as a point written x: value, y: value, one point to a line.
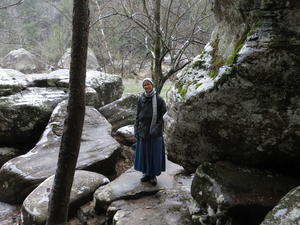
x: 239, y: 101
x: 234, y: 114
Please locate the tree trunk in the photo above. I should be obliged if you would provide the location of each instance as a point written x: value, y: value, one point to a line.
x: 70, y: 144
x: 157, y: 71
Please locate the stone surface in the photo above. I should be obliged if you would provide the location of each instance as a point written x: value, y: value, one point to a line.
x: 228, y: 193
x: 35, y: 206
x: 239, y: 101
x: 92, y: 62
x: 129, y: 186
x: 125, y: 135
x: 11, y: 81
x: 9, y: 214
x: 287, y: 211
x: 121, y: 112
x: 21, y: 60
x: 24, y: 115
x: 168, y: 207
x: 109, y: 87
x: 7, y: 153
x: 98, y: 153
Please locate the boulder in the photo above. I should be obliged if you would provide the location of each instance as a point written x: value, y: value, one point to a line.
x: 35, y: 206
x: 98, y: 153
x: 125, y: 135
x: 11, y: 82
x: 7, y: 153
x: 21, y: 60
x: 129, y: 186
x: 9, y: 214
x: 168, y: 207
x: 226, y: 192
x: 91, y: 64
x: 121, y: 112
x: 287, y: 211
x: 240, y: 99
x: 109, y: 87
x: 24, y: 115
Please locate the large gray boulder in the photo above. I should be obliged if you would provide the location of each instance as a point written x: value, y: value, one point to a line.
x: 129, y: 186
x: 109, y: 87
x: 91, y: 64
x: 35, y: 206
x: 240, y: 99
x: 125, y: 135
x: 25, y: 115
x: 11, y: 82
x: 227, y: 193
x: 27, y: 103
x: 121, y: 112
x: 21, y: 60
x: 99, y: 152
x: 287, y: 211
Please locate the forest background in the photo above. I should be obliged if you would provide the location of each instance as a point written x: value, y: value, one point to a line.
x: 122, y: 32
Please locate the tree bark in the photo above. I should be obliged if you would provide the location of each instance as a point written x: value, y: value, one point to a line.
x: 157, y: 73
x: 70, y: 144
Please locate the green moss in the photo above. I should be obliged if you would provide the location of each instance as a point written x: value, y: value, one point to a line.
x: 232, y: 59
x: 213, y: 74
x: 198, y: 64
x: 183, y: 88
x: 198, y: 85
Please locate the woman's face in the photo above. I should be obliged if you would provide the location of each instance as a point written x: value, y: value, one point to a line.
x: 148, y: 86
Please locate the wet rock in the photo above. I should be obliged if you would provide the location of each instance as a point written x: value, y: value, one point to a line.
x: 98, y: 153
x: 91, y: 97
x: 9, y: 214
x: 92, y: 62
x: 11, y: 82
x: 7, y: 153
x: 35, y: 206
x: 87, y: 215
x: 129, y: 186
x: 24, y: 115
x: 239, y: 100
x: 121, y: 112
x: 125, y: 135
x: 169, y: 207
x: 109, y: 87
x: 287, y: 211
x: 226, y: 192
x: 21, y: 60
x: 125, y: 160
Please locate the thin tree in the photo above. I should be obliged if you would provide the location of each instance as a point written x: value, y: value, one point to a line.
x: 70, y: 144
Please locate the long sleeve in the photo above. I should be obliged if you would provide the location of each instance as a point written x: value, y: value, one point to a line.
x: 138, y: 109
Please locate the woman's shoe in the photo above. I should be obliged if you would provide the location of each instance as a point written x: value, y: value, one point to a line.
x: 153, y: 180
x: 145, y: 178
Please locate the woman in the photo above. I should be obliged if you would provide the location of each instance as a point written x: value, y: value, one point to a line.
x: 150, y: 149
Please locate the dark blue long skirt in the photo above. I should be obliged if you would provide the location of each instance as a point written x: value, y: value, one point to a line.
x: 150, y: 156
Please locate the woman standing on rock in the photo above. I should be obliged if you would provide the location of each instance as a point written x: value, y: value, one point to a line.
x: 150, y: 149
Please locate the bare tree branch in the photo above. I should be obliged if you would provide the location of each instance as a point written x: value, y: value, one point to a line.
x: 13, y: 4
